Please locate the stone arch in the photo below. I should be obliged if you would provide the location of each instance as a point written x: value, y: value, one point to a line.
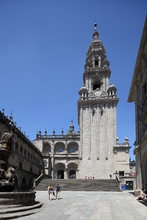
x: 59, y: 147
x: 72, y: 147
x: 71, y: 170
x: 144, y: 171
x: 59, y: 170
x: 46, y: 148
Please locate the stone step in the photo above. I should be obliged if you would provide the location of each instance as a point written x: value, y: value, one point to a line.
x: 80, y: 185
x: 15, y: 211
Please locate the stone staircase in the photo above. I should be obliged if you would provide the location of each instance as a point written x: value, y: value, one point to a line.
x: 80, y: 184
x: 17, y: 211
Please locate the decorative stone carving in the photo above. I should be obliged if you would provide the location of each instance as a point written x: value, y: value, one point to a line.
x: 8, y: 179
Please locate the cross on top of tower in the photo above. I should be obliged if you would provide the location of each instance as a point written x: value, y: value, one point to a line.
x: 95, y: 34
x: 95, y: 27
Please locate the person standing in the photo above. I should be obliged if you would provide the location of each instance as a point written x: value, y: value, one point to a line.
x: 50, y: 192
x: 57, y: 189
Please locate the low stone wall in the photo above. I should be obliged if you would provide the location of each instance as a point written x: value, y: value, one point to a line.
x: 17, y: 198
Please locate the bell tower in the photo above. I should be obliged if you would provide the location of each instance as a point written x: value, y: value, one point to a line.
x: 97, y: 114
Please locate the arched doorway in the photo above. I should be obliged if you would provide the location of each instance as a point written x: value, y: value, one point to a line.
x: 59, y: 170
x: 72, y: 169
x: 60, y: 174
x: 72, y: 174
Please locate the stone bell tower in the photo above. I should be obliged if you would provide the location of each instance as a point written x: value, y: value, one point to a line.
x: 97, y: 114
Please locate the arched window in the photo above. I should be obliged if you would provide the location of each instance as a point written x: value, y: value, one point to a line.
x: 96, y: 63
x: 25, y: 152
x: 46, y: 148
x: 21, y: 150
x: 96, y: 85
x: 59, y: 147
x: 28, y: 154
x: 72, y: 147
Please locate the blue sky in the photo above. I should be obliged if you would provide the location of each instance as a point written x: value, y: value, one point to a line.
x: 43, y: 46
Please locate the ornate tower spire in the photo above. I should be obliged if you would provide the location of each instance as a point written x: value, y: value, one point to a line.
x: 97, y: 113
x: 97, y: 71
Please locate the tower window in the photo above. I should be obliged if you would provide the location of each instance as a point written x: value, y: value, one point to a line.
x: 96, y: 85
x: 96, y: 62
x: 121, y: 173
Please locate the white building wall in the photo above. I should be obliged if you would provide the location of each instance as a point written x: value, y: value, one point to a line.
x: 98, y: 132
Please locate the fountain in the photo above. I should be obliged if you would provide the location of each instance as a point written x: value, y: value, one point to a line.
x: 8, y: 176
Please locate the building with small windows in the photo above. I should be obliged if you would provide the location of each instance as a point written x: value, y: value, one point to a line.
x: 95, y: 151
x: 138, y: 95
x: 25, y: 157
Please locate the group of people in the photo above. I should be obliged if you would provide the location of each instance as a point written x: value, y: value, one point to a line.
x: 54, y: 192
x: 142, y: 195
x: 89, y: 178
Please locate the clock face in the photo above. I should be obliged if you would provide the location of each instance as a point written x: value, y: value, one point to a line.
x: 97, y: 93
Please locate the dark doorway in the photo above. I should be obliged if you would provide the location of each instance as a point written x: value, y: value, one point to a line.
x: 72, y: 174
x: 60, y: 174
x: 129, y: 185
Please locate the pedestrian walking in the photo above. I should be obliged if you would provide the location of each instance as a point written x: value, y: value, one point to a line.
x: 57, y: 189
x: 50, y: 192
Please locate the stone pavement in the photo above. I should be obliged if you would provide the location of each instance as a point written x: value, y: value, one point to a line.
x: 89, y: 206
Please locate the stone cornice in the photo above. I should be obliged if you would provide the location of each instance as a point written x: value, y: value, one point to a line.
x: 11, y: 126
x: 102, y: 101
x: 124, y: 147
x: 58, y: 137
x: 94, y: 71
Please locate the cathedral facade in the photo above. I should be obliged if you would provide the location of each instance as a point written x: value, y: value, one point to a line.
x: 95, y: 151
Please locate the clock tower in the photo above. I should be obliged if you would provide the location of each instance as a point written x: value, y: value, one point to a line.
x: 97, y: 114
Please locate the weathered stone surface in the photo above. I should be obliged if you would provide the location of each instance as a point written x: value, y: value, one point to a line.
x: 14, y: 198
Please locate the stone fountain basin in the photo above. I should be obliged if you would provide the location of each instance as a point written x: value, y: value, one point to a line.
x: 17, y: 198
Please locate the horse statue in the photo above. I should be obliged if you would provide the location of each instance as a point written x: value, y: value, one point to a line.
x: 8, y: 179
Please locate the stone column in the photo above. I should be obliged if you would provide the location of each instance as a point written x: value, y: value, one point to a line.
x: 65, y: 173
x: 52, y: 159
x: 106, y: 133
x: 90, y: 143
x: 81, y: 133
x: 98, y: 135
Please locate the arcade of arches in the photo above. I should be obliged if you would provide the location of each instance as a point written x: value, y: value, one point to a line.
x: 62, y: 171
x: 61, y: 158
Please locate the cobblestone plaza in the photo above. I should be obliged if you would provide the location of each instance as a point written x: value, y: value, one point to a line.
x: 91, y: 206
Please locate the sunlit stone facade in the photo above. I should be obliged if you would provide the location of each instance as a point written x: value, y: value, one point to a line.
x: 95, y: 152
x: 138, y: 94
x: 25, y: 157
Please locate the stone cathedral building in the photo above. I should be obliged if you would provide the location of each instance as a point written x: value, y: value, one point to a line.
x: 95, y: 151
